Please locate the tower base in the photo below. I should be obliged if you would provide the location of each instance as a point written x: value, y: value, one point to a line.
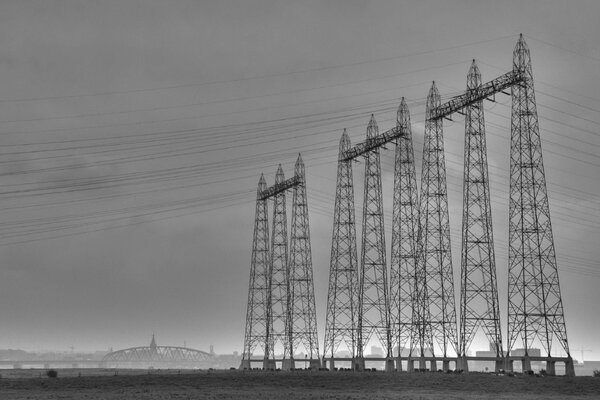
x: 569, y: 367
x: 269, y: 364
x: 359, y: 364
x: 245, y: 364
x: 314, y: 364
x: 288, y: 364
x: 389, y: 365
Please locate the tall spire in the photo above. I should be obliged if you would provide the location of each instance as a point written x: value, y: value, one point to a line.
x: 301, y: 318
x: 535, y: 310
x: 405, y: 227
x: 436, y: 320
x: 278, y: 277
x: 340, y: 322
x: 479, y: 307
x: 373, y: 307
x: 258, y: 288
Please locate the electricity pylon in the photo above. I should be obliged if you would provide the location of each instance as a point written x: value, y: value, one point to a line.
x: 405, y: 227
x: 479, y: 307
x: 436, y: 313
x: 340, y: 323
x: 258, y: 298
x: 301, y: 317
x: 535, y: 310
x: 278, y: 277
x: 373, y: 307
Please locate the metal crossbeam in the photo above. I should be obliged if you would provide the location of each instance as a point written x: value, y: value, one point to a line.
x: 279, y: 187
x: 371, y: 144
x: 472, y: 96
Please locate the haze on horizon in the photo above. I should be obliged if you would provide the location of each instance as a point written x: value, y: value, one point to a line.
x: 134, y: 133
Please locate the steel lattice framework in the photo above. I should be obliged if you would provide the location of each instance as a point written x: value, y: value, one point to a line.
x: 535, y: 310
x: 153, y: 355
x: 436, y: 314
x: 373, y: 306
x: 258, y: 299
x: 405, y: 228
x: 281, y: 316
x: 479, y: 307
x: 301, y: 318
x: 420, y: 309
x: 156, y: 355
x: 277, y: 305
x: 340, y: 325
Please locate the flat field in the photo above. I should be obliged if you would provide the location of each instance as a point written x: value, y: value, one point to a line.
x: 150, y: 385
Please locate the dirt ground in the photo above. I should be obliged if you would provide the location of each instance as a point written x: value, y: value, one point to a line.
x: 123, y: 384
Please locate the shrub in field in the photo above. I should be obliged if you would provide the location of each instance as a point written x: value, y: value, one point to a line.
x: 52, y: 373
x: 597, y: 373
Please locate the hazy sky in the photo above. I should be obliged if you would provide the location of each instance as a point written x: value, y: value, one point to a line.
x: 134, y: 133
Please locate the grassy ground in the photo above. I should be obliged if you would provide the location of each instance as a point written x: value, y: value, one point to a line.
x: 104, y: 384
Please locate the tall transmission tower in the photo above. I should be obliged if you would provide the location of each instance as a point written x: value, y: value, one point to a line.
x: 405, y: 227
x: 373, y: 306
x: 277, y: 309
x: 479, y: 307
x: 301, y: 317
x: 535, y: 309
x: 340, y: 325
x: 435, y: 296
x: 258, y: 298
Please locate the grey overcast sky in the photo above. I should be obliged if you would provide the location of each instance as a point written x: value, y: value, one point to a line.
x: 133, y: 134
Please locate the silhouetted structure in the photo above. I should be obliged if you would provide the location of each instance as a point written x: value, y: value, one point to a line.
x: 154, y: 356
x: 281, y: 318
x: 417, y: 311
x: 405, y: 229
x: 340, y: 322
x: 479, y: 308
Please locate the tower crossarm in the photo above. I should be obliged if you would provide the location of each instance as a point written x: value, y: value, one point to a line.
x: 371, y: 144
x: 474, y: 95
x: 280, y: 187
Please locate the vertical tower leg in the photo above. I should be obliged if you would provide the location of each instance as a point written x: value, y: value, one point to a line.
x: 438, y: 315
x: 535, y: 310
x: 302, y: 319
x: 340, y: 323
x: 258, y: 295
x: 279, y: 287
x: 405, y: 226
x: 373, y: 309
x: 479, y: 294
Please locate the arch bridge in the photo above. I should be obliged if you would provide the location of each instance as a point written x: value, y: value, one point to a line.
x: 154, y: 356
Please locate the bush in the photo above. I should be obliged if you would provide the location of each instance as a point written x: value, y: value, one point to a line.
x: 52, y: 373
x: 597, y: 373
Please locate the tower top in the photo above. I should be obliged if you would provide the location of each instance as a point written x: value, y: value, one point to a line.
x: 299, y: 167
x: 262, y: 184
x: 474, y: 76
x: 372, y: 129
x: 153, y: 342
x: 403, y: 116
x: 344, y: 142
x: 279, y: 177
x: 433, y: 98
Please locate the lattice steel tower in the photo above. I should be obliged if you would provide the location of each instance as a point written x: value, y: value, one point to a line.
x: 535, y: 310
x: 301, y: 318
x: 373, y: 306
x: 479, y: 307
x: 278, y: 277
x: 436, y: 320
x: 340, y: 325
x: 405, y: 227
x: 258, y: 289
